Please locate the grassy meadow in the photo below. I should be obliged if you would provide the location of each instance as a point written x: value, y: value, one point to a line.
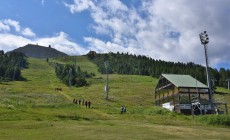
x: 32, y: 109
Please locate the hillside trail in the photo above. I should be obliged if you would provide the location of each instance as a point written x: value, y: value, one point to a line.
x: 52, y: 85
x: 45, y: 77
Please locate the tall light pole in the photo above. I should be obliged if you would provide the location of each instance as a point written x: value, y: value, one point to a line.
x: 204, y: 40
x: 107, y: 80
x: 228, y: 80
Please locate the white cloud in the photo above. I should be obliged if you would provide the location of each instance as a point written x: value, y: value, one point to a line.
x: 9, y: 42
x: 7, y: 24
x: 161, y: 29
x: 114, y: 6
x: 4, y: 27
x: 12, y: 23
x: 79, y: 5
x: 28, y: 32
x: 101, y: 46
x: 192, y: 17
x: 62, y: 43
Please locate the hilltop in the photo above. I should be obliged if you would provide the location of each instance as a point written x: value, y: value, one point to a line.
x: 37, y: 51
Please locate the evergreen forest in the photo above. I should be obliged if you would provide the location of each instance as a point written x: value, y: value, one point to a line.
x: 125, y: 63
x: 71, y: 76
x: 11, y: 65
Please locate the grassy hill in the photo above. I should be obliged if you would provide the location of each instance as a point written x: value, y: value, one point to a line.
x: 32, y: 109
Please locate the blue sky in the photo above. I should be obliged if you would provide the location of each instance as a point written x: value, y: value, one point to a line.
x: 161, y: 29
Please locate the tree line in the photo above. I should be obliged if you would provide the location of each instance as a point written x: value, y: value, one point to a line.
x: 11, y: 65
x: 72, y: 76
x: 125, y: 63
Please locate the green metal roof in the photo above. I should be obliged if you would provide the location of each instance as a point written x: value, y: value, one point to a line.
x: 184, y: 81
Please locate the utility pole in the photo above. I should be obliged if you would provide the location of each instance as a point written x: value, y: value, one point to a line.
x: 204, y: 40
x: 228, y: 80
x: 107, y: 80
x: 70, y: 77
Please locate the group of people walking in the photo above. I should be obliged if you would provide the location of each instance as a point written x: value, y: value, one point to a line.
x: 82, y: 102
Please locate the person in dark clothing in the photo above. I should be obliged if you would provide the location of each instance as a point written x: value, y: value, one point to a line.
x: 89, y: 103
x: 124, y: 109
x: 83, y: 102
x: 86, y: 104
x: 79, y: 101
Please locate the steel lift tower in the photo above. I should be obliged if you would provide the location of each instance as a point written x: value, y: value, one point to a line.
x: 107, y: 80
x: 228, y: 80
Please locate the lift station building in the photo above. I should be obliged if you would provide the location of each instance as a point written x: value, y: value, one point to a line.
x: 178, y: 93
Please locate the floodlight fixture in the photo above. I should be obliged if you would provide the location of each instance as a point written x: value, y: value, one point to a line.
x: 204, y: 38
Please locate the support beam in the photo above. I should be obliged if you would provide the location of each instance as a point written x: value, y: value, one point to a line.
x: 163, y: 87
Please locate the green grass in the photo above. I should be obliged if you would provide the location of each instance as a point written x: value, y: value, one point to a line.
x: 223, y: 90
x: 105, y: 130
x: 223, y: 95
x: 32, y: 109
x: 81, y: 61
